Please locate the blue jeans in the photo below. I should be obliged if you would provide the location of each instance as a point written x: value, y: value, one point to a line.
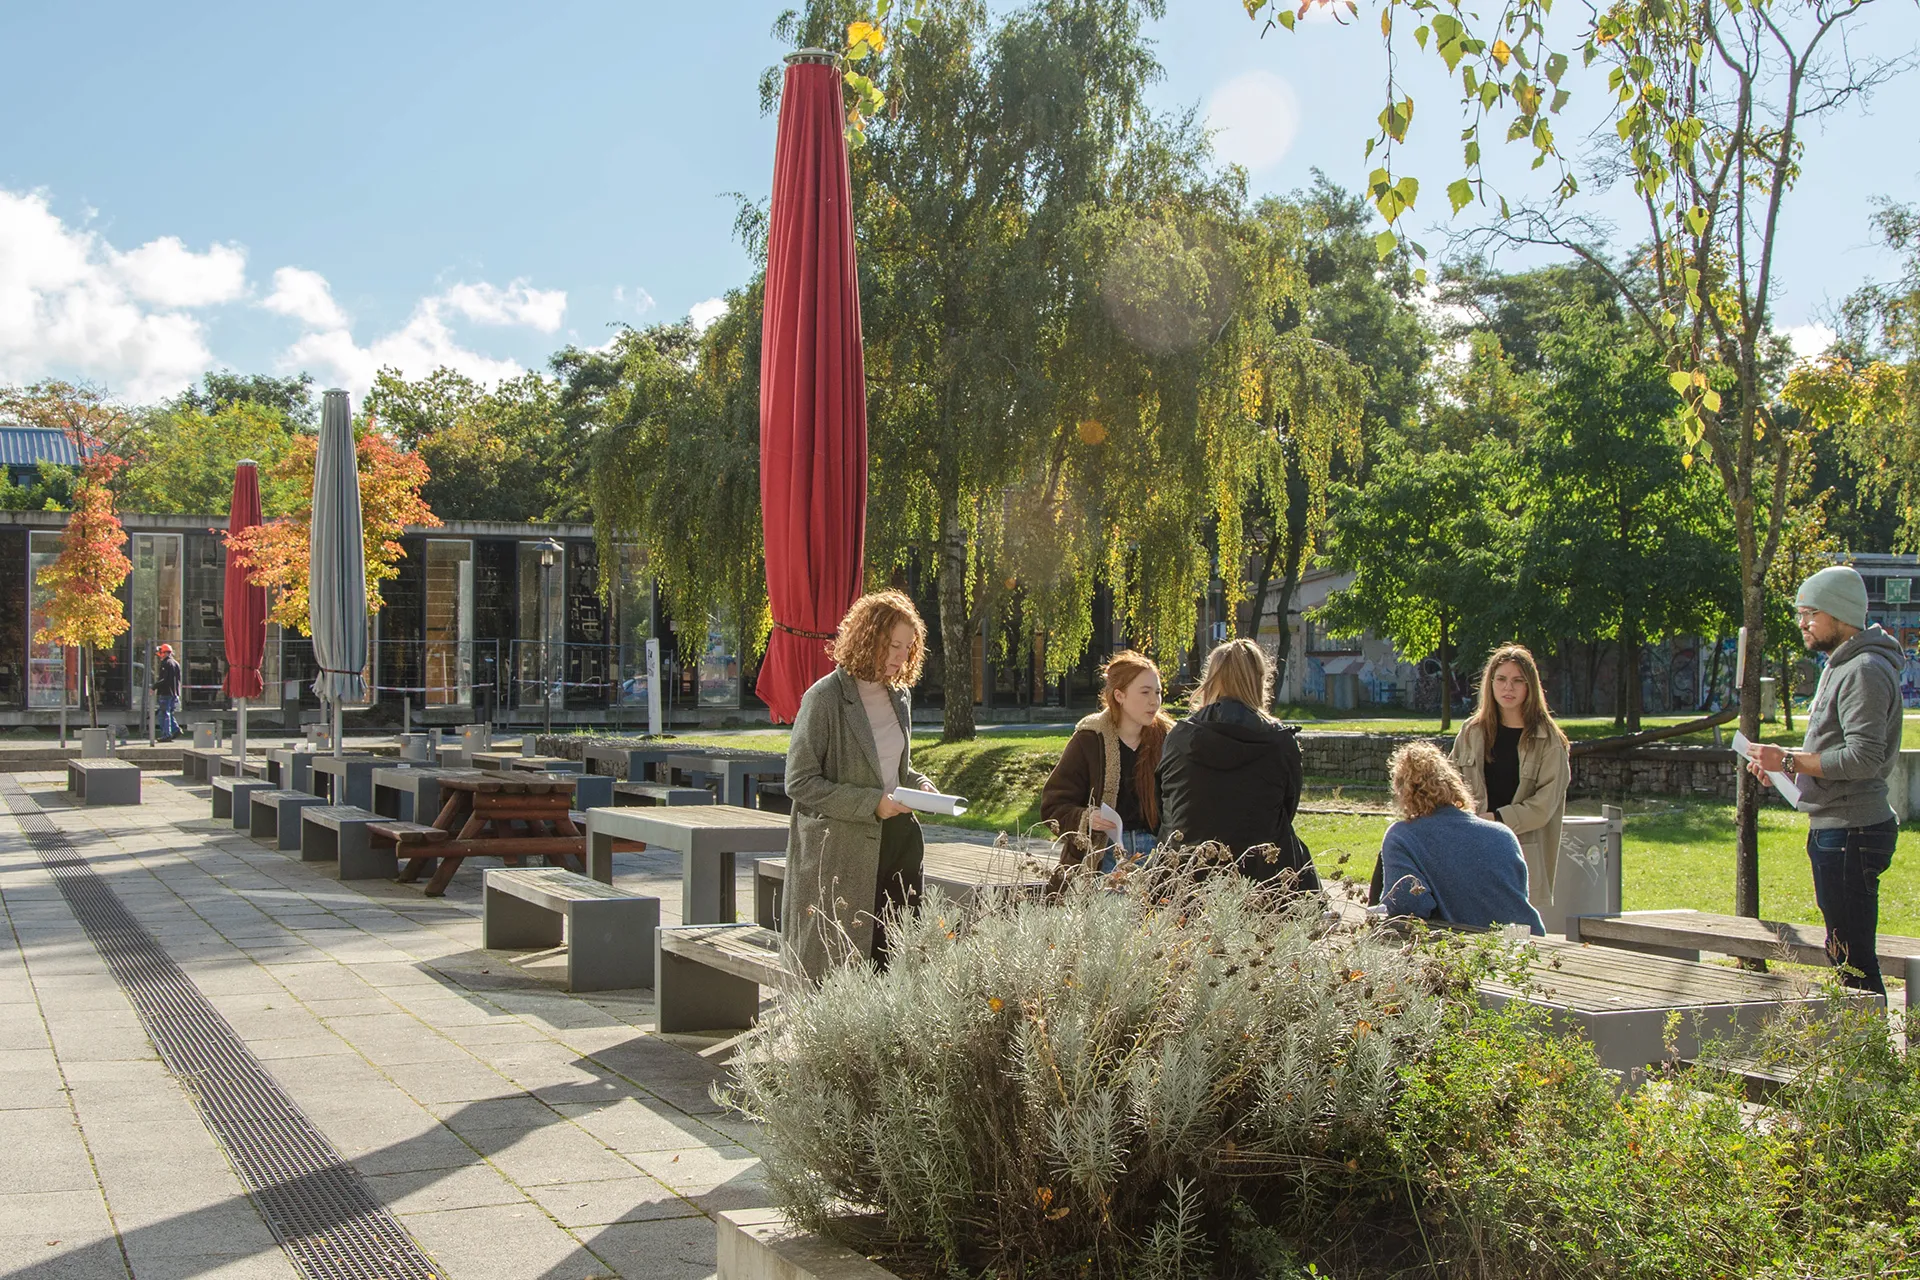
x: 1847, y: 865
x: 1138, y: 845
x: 164, y: 724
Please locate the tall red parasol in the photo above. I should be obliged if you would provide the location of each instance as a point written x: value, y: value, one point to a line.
x: 244, y: 620
x: 813, y: 387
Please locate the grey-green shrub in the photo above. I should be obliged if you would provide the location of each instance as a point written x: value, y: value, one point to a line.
x: 1086, y: 1079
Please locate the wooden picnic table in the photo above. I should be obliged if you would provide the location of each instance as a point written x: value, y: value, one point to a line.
x: 705, y: 836
x: 1621, y: 1000
x: 412, y: 793
x: 511, y: 816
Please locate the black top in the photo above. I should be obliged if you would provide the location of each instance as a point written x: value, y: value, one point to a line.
x: 1503, y: 768
x: 1127, y: 803
x: 168, y: 683
x: 1230, y: 774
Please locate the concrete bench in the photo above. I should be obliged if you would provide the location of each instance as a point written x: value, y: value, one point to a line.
x: 1683, y: 935
x: 103, y: 781
x: 338, y: 833
x: 275, y: 816
x: 198, y: 764
x: 609, y: 933
x: 638, y: 793
x: 958, y: 869
x: 707, y: 977
x: 230, y: 800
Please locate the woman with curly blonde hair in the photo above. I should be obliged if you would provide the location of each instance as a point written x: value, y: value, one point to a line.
x: 854, y: 852
x: 1441, y: 862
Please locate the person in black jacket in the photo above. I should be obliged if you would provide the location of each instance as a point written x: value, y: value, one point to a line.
x: 166, y: 692
x: 1230, y: 773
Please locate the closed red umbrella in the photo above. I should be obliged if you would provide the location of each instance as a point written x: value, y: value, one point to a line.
x: 244, y: 620
x: 813, y: 388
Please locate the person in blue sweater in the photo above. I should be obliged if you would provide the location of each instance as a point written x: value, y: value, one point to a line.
x: 1442, y: 863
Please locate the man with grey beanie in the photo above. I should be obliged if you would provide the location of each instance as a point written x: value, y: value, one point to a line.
x: 1853, y: 734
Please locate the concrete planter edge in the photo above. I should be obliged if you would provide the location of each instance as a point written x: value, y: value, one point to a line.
x: 762, y: 1244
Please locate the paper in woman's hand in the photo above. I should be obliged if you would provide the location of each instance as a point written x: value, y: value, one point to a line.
x: 929, y: 801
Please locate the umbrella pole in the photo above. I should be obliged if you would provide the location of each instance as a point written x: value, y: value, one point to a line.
x: 240, y: 729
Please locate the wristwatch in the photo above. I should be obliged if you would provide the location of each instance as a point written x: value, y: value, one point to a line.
x: 1787, y: 765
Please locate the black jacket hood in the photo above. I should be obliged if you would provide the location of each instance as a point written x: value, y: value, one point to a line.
x: 1230, y: 735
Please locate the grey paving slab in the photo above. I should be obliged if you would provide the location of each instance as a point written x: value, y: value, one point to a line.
x: 506, y: 1243
x: 471, y: 1186
x: 591, y: 1204
x: 671, y: 1249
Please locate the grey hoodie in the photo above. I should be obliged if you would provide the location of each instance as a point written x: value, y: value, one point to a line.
x: 1854, y: 725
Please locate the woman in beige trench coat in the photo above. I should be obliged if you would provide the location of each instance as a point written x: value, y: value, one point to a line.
x: 853, y: 852
x: 1514, y: 760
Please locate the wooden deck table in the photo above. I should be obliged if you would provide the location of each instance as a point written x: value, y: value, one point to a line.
x: 1620, y: 1000
x: 705, y: 836
x: 511, y: 816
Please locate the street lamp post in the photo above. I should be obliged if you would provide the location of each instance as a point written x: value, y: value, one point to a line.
x: 549, y: 556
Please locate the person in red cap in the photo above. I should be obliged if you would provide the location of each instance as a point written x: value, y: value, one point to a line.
x: 166, y: 692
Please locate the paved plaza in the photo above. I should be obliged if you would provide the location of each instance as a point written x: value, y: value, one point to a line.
x: 512, y: 1129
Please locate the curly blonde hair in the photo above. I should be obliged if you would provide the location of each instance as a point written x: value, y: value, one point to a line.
x: 860, y: 647
x: 1424, y: 780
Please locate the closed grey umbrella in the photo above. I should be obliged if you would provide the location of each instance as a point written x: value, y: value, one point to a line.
x: 337, y: 565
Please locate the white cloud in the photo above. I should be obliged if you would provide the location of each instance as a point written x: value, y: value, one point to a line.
x: 70, y: 304
x: 307, y: 297
x: 639, y: 299
x: 1254, y: 117
x: 1810, y: 340
x: 168, y: 274
x: 426, y: 341
x: 705, y: 313
x: 517, y: 304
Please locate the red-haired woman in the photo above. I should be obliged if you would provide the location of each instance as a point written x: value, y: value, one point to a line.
x: 1111, y: 760
x: 854, y: 853
x: 1514, y: 760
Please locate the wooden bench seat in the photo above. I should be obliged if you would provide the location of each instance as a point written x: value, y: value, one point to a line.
x: 275, y: 816
x: 92, y: 782
x: 609, y: 933
x: 408, y: 833
x: 707, y: 977
x: 635, y: 793
x: 1684, y: 935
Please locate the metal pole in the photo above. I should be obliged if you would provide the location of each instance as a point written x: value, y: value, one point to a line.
x: 240, y: 731
x: 339, y: 726
x: 546, y: 639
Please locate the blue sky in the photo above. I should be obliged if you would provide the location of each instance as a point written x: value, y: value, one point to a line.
x: 276, y: 187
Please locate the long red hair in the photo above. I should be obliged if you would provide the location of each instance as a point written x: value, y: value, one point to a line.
x: 1122, y: 670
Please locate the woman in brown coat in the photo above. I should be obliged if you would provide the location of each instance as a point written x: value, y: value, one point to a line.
x: 1111, y: 760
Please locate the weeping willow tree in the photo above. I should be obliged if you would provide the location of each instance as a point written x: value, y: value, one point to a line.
x: 674, y: 421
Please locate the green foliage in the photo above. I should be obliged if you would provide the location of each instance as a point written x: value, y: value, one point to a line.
x: 181, y: 456
x: 291, y: 398
x: 50, y: 490
x: 505, y: 453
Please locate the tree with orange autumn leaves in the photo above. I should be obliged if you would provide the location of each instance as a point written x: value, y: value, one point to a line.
x: 275, y: 554
x: 85, y: 611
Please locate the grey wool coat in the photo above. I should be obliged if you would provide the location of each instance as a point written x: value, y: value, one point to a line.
x: 833, y: 845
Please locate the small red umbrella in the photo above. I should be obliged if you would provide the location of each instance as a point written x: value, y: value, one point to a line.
x: 813, y: 387
x: 244, y: 621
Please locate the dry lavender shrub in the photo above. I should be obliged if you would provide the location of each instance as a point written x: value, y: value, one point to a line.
x: 1083, y: 1081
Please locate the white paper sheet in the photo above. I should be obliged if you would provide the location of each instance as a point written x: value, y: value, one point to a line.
x: 930, y: 801
x: 1787, y: 787
x: 1119, y: 832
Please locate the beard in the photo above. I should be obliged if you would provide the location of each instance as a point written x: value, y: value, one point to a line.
x: 1816, y: 645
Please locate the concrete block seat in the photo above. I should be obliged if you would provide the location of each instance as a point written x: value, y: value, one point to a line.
x: 640, y: 793
x: 707, y: 977
x: 230, y: 799
x: 198, y: 764
x: 274, y: 816
x: 609, y: 933
x: 92, y: 782
x: 338, y: 833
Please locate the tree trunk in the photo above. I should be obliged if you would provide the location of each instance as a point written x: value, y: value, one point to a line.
x: 1446, y: 678
x: 956, y: 631
x: 93, y: 692
x: 1260, y: 585
x: 1633, y: 658
x: 1783, y: 689
x: 1713, y: 674
x: 1746, y: 867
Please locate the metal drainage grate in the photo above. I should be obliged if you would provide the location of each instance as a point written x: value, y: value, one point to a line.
x: 323, y: 1214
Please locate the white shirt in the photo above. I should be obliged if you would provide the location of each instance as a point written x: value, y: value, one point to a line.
x: 889, y: 741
